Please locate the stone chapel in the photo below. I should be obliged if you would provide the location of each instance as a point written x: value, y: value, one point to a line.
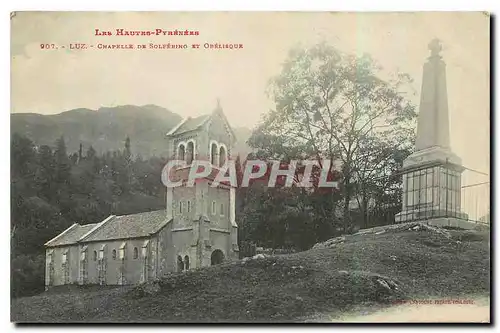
x: 197, y: 228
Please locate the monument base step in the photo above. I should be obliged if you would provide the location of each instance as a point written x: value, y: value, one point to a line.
x: 415, y: 215
x: 452, y: 222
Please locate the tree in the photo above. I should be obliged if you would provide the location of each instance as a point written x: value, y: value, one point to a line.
x: 22, y: 156
x: 45, y: 173
x: 63, y: 164
x: 127, y: 154
x: 334, y: 106
x: 80, y: 150
x: 123, y: 169
x: 91, y: 153
x: 378, y: 182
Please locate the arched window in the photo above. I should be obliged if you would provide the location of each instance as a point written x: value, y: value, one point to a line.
x: 181, y: 154
x: 213, y: 154
x: 214, y: 207
x: 222, y: 156
x: 190, y: 152
x: 136, y: 253
x: 222, y: 209
x: 180, y: 207
x: 186, y: 263
x: 114, y: 254
x: 95, y: 255
x: 180, y: 264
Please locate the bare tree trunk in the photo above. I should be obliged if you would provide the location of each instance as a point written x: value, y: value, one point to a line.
x: 347, y: 199
x: 365, y: 210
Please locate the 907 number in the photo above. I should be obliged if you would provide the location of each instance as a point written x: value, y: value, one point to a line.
x: 48, y: 46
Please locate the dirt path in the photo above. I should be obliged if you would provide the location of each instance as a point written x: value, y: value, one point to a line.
x: 477, y: 312
x: 415, y: 311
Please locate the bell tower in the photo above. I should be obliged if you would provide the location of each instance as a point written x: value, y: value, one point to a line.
x: 204, y: 227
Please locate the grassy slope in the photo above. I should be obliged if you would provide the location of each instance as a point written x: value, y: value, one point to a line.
x: 284, y: 288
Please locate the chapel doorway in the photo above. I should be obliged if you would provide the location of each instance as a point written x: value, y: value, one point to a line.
x: 217, y: 257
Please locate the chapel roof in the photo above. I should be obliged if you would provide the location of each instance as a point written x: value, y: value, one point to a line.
x: 129, y: 226
x: 71, y: 235
x: 190, y: 124
x: 114, y: 227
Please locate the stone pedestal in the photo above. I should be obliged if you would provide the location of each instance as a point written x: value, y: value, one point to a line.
x: 431, y: 186
x: 432, y: 155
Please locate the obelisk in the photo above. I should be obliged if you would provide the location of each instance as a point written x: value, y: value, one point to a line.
x: 433, y: 122
x: 432, y: 174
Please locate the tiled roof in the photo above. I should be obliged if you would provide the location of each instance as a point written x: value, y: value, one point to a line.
x: 191, y: 124
x: 71, y: 235
x: 129, y: 226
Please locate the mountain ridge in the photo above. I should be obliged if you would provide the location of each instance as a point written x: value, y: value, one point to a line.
x: 106, y: 128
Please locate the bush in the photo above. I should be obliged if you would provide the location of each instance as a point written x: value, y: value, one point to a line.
x: 247, y: 249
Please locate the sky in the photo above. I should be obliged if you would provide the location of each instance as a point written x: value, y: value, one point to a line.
x: 189, y: 82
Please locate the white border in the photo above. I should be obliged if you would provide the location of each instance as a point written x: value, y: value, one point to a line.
x: 262, y: 5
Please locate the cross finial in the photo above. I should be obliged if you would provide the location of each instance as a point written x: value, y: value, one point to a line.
x: 218, y: 103
x: 435, y: 47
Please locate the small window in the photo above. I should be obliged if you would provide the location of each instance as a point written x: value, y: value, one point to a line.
x: 64, y: 257
x: 180, y: 207
x: 213, y: 154
x: 186, y: 263
x: 136, y: 253
x: 181, y: 153
x: 95, y: 255
x: 214, y: 208
x: 189, y: 206
x: 222, y: 209
x: 190, y: 152
x: 114, y: 254
x: 101, y: 254
x: 222, y: 156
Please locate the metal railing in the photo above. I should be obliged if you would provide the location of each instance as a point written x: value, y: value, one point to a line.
x: 470, y: 201
x: 475, y: 196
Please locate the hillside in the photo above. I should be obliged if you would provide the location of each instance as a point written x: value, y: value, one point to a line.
x: 372, y: 270
x: 106, y: 128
